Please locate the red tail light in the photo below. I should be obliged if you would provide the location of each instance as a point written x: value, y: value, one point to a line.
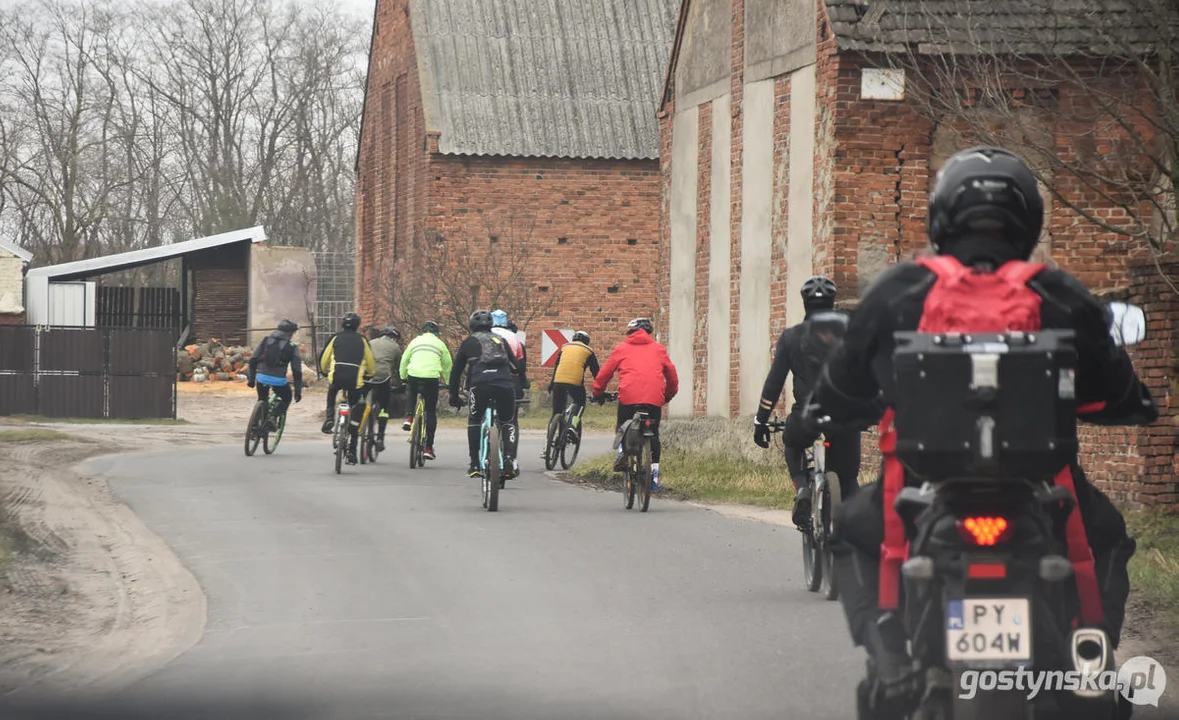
x: 826, y: 443
x: 985, y: 531
x: 344, y: 412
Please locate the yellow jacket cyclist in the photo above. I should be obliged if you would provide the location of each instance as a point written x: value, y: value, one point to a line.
x: 346, y: 360
x: 569, y: 373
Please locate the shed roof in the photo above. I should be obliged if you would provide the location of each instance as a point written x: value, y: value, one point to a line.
x: 147, y: 256
x: 1037, y: 27
x: 563, y: 78
x: 16, y: 250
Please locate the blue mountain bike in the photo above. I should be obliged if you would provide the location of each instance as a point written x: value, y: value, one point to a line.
x: 491, y: 454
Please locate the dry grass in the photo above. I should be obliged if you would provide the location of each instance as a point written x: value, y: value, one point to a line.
x: 1154, y: 569
x: 36, y: 434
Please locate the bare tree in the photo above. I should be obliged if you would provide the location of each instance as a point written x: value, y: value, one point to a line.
x: 998, y: 77
x: 447, y: 278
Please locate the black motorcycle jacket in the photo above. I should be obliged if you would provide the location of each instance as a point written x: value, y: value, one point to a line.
x: 859, y: 374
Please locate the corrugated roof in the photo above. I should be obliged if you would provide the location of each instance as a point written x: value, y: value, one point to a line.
x: 136, y: 258
x: 544, y: 78
x: 1037, y: 27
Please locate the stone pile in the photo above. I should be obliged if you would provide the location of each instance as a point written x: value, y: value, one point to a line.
x: 213, y: 362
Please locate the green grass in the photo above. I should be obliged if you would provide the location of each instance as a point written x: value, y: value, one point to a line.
x: 29, y: 419
x: 35, y: 434
x: 1154, y: 569
x: 706, y: 477
x: 537, y: 417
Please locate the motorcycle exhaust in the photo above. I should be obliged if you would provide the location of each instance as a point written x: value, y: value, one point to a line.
x: 1091, y: 654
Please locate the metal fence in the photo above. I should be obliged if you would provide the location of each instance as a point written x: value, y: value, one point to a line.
x: 138, y: 307
x: 335, y: 292
x: 93, y: 373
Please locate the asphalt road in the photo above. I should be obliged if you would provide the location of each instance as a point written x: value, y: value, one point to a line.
x: 386, y: 592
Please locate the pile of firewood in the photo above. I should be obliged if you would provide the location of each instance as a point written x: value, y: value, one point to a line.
x: 211, y: 361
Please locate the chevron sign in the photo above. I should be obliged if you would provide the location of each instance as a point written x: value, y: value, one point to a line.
x: 550, y: 342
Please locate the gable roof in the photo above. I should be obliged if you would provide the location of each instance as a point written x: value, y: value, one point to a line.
x: 967, y: 27
x: 563, y: 78
x: 16, y: 250
x: 137, y: 258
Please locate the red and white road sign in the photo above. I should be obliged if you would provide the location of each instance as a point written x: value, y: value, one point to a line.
x: 550, y: 342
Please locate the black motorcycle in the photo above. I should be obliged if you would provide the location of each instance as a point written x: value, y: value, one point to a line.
x: 985, y: 422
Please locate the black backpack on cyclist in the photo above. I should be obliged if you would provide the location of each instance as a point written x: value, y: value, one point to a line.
x: 277, y: 352
x: 493, y: 353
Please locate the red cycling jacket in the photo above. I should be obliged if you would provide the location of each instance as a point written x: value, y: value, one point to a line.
x: 645, y: 373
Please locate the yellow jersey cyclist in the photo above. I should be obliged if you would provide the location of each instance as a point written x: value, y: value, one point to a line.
x: 568, y: 381
x: 347, y: 360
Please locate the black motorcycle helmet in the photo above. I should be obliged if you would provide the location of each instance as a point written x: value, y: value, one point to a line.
x: 986, y: 191
x: 818, y: 293
x: 430, y: 327
x: 351, y: 321
x: 390, y: 332
x: 480, y: 321
x: 640, y: 324
x: 287, y: 326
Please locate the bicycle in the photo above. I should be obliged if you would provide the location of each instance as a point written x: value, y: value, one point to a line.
x: 417, y: 432
x: 634, y: 438
x: 370, y: 424
x: 816, y: 534
x: 491, y: 462
x: 340, y: 435
x: 564, y: 432
x: 258, y: 431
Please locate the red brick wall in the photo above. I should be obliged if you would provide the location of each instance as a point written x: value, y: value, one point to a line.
x: 10, y: 319
x: 780, y: 213
x: 737, y: 50
x: 601, y: 280
x: 391, y: 189
x: 703, y: 253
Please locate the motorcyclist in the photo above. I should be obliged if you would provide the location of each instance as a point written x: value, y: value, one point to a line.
x: 802, y: 349
x: 985, y: 211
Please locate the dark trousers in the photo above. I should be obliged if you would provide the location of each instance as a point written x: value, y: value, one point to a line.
x: 503, y: 398
x: 355, y: 399
x: 654, y: 413
x: 380, y: 394
x: 563, y: 393
x: 843, y: 454
x: 282, y: 391
x: 428, y: 389
x: 859, y: 531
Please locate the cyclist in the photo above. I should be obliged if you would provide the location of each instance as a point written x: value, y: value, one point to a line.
x: 489, y: 363
x: 985, y: 213
x: 568, y: 381
x: 647, y: 381
x: 386, y: 378
x: 347, y: 360
x: 268, y: 369
x: 506, y: 329
x: 425, y: 361
x: 802, y: 349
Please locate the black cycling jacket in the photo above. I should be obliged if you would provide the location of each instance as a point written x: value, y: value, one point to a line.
x: 800, y: 352
x: 859, y: 375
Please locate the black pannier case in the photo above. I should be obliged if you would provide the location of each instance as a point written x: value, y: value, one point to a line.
x: 985, y: 404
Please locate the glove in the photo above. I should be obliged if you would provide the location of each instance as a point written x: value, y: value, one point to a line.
x: 549, y: 389
x: 456, y: 401
x: 299, y: 396
x: 250, y: 383
x: 599, y: 399
x: 761, y: 433
x: 527, y: 384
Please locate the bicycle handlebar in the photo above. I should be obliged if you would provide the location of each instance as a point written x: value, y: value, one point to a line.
x: 606, y: 397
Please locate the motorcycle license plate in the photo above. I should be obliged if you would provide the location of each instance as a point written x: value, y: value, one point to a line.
x: 988, y: 629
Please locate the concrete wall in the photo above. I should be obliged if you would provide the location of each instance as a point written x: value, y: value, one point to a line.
x: 681, y: 303
x: 756, y: 240
x: 12, y: 283
x: 719, y: 359
x: 282, y: 285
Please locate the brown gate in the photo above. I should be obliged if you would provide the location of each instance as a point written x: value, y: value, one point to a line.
x: 87, y: 373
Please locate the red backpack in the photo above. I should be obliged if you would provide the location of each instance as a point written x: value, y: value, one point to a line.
x: 962, y: 300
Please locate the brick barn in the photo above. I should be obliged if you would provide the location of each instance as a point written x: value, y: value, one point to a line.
x: 790, y: 147
x: 519, y: 125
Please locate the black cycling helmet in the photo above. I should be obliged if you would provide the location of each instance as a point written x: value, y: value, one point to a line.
x: 581, y: 336
x: 818, y: 293
x: 512, y: 326
x: 390, y: 332
x: 288, y: 326
x: 480, y: 320
x: 430, y: 327
x: 640, y: 324
x: 986, y: 190
x: 351, y: 321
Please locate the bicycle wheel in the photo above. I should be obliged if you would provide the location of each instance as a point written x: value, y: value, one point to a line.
x: 415, y: 443
x: 494, y: 469
x: 374, y: 431
x: 253, y: 428
x: 363, y: 441
x: 341, y: 444
x: 569, y: 447
x: 645, y: 479
x: 812, y: 560
x: 831, y: 498
x: 270, y: 440
x: 552, y: 446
